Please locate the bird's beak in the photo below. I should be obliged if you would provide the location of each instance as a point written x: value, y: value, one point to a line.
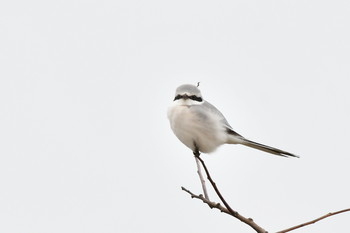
x: 185, y: 96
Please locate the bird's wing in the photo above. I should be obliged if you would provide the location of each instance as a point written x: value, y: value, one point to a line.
x: 211, y: 108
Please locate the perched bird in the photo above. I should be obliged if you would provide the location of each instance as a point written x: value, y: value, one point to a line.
x: 202, y: 127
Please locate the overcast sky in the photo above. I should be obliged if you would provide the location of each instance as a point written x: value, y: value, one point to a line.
x: 85, y: 144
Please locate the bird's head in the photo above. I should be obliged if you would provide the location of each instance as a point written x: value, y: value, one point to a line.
x: 188, y: 94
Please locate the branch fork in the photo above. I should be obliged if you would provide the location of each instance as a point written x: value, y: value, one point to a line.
x: 228, y: 210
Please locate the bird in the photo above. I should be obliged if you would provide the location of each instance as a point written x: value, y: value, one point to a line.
x: 201, y: 127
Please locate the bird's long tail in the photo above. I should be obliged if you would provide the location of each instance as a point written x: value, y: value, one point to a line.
x: 268, y: 149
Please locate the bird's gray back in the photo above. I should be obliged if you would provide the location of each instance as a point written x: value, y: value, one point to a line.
x: 206, y: 108
x: 203, y: 111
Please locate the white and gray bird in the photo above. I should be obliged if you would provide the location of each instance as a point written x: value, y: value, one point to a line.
x: 202, y: 127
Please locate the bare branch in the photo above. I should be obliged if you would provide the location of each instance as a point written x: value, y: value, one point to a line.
x: 218, y: 206
x: 211, y: 204
x: 235, y: 214
x: 228, y: 210
x: 205, y: 192
x: 314, y: 221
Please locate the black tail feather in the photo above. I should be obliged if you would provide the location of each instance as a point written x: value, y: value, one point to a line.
x: 268, y: 149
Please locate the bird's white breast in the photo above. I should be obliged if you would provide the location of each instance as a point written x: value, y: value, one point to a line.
x: 194, y: 128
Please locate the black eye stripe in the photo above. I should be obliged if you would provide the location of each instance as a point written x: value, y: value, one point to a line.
x: 195, y: 98
x: 178, y: 97
x: 192, y: 97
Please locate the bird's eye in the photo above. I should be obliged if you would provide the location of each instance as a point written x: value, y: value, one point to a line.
x: 177, y: 97
x: 195, y: 98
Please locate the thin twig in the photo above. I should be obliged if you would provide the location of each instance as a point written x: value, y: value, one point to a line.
x: 211, y: 204
x: 235, y: 214
x: 202, y: 179
x: 314, y: 221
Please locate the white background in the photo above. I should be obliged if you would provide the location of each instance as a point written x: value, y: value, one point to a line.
x: 85, y: 144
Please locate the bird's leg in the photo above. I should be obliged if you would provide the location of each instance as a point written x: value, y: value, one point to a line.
x: 196, y: 152
x: 196, y: 156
